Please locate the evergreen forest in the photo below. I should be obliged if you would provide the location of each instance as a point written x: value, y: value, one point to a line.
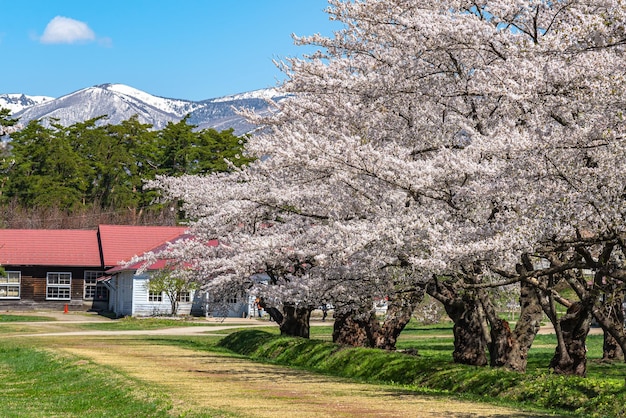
x: 78, y: 176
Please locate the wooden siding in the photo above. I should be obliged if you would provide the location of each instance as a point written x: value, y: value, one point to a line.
x: 130, y: 298
x: 33, y: 287
x: 143, y: 307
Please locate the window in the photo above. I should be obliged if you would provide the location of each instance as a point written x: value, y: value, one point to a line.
x: 91, y: 281
x: 155, y: 297
x: 102, y: 293
x: 59, y: 286
x: 184, y: 297
x: 10, y: 285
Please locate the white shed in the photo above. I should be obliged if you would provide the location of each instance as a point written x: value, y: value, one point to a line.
x: 129, y: 295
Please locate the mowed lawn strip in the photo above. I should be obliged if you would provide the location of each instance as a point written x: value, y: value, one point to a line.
x: 200, y: 380
x: 37, y: 382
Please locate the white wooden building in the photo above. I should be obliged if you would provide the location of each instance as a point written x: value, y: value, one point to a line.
x: 129, y: 295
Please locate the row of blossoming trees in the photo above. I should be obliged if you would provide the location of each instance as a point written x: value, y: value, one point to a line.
x: 449, y: 148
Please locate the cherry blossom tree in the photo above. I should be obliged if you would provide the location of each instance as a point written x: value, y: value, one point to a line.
x: 448, y: 147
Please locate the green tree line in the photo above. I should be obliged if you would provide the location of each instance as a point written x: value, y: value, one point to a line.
x: 96, y: 165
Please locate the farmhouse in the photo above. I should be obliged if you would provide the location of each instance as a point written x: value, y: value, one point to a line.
x: 53, y: 269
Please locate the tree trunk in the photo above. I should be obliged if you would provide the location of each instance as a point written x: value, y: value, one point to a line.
x: 469, y: 339
x: 354, y: 327
x: 610, y: 316
x: 611, y: 349
x: 603, y: 300
x: 503, y: 347
x: 611, y: 319
x: 509, y: 349
x: 400, y: 308
x: 296, y: 321
x: 275, y: 314
x: 361, y: 328
x: 527, y: 327
x: 571, y: 359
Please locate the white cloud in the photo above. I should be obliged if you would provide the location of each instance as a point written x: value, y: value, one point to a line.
x: 63, y: 30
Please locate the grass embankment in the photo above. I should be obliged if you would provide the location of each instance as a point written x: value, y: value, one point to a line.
x: 598, y: 395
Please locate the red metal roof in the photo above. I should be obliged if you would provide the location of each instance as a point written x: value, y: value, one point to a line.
x: 50, y: 247
x: 159, y: 263
x: 121, y: 243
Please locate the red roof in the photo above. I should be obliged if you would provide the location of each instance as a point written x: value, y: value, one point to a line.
x: 49, y: 247
x: 121, y: 243
x: 160, y: 262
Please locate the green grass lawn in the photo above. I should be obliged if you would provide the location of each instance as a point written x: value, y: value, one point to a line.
x: 37, y: 383
x: 24, y: 318
x: 133, y: 324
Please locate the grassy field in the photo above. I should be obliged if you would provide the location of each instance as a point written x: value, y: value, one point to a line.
x: 24, y: 318
x: 132, y: 324
x: 197, y: 376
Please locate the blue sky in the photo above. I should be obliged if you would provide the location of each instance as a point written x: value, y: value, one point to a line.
x: 186, y: 49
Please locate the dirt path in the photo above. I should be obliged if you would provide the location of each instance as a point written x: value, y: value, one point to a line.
x: 200, y: 381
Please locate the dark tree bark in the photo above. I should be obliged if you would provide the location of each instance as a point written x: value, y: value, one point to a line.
x: 275, y: 314
x: 509, y: 349
x: 400, y: 308
x: 570, y: 356
x: 354, y: 327
x: 503, y: 346
x: 294, y: 321
x: 361, y: 328
x: 610, y: 315
x: 611, y: 349
x: 526, y: 328
x: 469, y: 340
x: 604, y: 299
x: 463, y: 307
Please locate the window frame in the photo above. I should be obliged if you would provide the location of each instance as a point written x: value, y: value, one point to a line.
x: 8, y: 284
x: 92, y: 285
x: 63, y: 290
x: 155, y: 296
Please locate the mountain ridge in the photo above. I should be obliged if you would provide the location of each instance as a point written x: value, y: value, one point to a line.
x: 119, y: 102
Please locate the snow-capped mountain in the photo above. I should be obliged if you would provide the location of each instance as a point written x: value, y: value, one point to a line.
x: 263, y: 94
x: 119, y: 102
x: 18, y: 102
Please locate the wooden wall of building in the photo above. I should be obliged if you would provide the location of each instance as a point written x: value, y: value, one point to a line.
x: 33, y: 288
